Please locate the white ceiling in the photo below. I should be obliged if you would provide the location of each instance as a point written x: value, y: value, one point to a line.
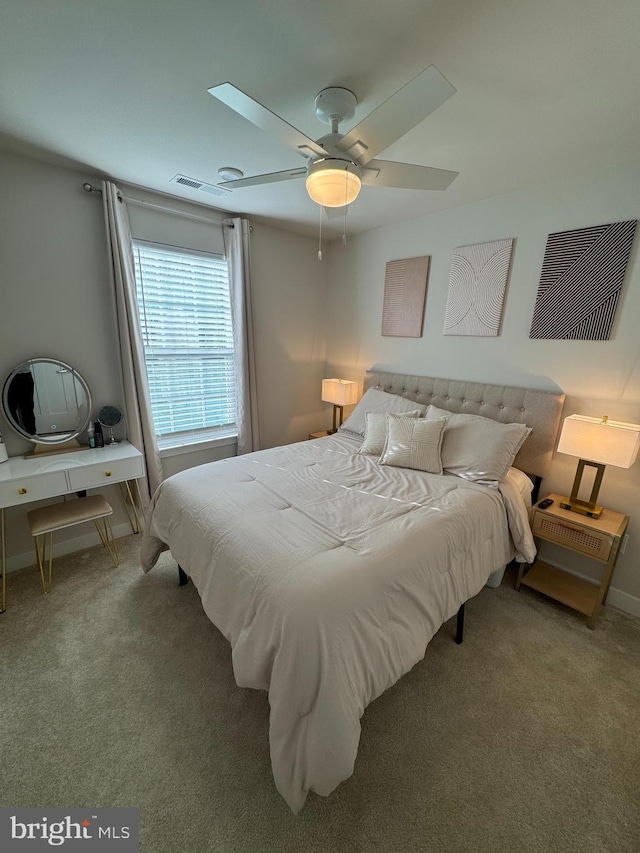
x: 546, y: 89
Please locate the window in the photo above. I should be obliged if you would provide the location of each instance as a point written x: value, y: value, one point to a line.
x: 185, y: 317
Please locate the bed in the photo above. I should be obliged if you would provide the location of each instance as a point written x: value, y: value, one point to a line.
x: 329, y: 572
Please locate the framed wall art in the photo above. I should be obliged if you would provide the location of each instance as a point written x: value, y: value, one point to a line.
x: 581, y: 281
x: 477, y: 285
x: 405, y: 291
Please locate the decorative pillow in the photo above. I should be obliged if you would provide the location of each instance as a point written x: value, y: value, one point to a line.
x: 477, y: 448
x: 374, y: 400
x: 414, y: 443
x: 375, y: 435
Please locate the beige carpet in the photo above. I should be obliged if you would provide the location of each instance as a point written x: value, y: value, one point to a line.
x: 117, y: 690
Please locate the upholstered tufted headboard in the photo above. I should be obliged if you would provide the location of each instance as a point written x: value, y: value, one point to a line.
x: 540, y: 410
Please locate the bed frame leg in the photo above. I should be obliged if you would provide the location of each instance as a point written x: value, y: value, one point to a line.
x: 183, y: 577
x: 460, y: 625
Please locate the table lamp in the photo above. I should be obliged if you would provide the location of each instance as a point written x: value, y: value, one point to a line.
x: 340, y: 392
x: 597, y: 443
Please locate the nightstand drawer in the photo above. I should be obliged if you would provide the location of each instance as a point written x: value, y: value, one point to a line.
x: 575, y: 536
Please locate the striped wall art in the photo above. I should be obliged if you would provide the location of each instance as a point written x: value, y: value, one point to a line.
x: 405, y: 291
x: 580, y: 283
x: 477, y: 285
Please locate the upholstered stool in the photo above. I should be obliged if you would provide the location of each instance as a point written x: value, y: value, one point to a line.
x: 48, y: 519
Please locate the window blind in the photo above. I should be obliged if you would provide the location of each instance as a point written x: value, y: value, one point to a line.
x: 185, y: 319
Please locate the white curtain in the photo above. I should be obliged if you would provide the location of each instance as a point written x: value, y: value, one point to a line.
x: 237, y: 244
x: 137, y: 401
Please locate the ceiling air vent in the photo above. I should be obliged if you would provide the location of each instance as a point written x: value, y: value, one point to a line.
x: 184, y: 181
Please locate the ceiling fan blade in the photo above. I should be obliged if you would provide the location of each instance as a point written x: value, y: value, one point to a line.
x: 397, y: 115
x: 270, y: 178
x: 386, y: 173
x: 265, y: 119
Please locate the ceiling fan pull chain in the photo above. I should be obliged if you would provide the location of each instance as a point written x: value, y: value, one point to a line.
x: 346, y: 207
x: 320, y: 238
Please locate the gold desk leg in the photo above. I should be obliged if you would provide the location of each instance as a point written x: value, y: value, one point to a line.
x: 3, y: 603
x: 137, y: 482
x: 131, y: 506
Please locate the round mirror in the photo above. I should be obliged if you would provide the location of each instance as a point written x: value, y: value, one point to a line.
x: 46, y: 401
x: 110, y: 417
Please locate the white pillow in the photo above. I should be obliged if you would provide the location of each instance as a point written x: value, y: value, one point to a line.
x: 522, y: 483
x: 374, y: 400
x: 375, y: 434
x: 477, y: 448
x: 414, y: 443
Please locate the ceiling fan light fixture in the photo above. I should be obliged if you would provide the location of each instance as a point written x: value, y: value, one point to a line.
x: 332, y: 182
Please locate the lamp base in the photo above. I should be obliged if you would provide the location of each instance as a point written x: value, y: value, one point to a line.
x: 583, y: 508
x: 576, y: 504
x: 337, y: 418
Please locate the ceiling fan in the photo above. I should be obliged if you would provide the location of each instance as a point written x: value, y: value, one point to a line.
x: 338, y: 164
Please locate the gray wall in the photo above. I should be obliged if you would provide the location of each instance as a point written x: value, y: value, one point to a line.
x: 289, y: 290
x: 55, y: 300
x: 598, y: 377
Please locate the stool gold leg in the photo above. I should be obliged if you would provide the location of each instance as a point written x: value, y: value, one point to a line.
x: 40, y: 558
x: 100, y: 533
x: 108, y: 539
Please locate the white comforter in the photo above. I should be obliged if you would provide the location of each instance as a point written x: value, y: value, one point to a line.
x: 329, y: 573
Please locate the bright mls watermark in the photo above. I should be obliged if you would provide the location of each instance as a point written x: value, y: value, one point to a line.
x: 81, y: 830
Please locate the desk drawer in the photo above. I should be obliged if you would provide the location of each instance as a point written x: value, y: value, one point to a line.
x: 33, y: 488
x: 103, y: 473
x: 586, y: 540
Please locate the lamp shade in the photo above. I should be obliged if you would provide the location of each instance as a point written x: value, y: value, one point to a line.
x: 333, y: 183
x: 340, y: 392
x: 603, y: 441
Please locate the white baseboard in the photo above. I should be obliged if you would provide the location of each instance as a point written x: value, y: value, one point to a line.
x: 617, y: 598
x: 65, y: 546
x: 624, y: 601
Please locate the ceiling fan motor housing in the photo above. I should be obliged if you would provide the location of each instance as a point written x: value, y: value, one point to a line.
x: 335, y: 105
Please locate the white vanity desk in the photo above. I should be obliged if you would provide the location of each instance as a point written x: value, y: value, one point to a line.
x: 23, y: 481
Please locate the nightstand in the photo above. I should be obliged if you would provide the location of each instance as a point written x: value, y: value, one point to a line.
x: 596, y: 538
x: 318, y: 434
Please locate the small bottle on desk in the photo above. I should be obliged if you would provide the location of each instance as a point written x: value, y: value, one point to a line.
x: 99, y: 435
x: 91, y: 434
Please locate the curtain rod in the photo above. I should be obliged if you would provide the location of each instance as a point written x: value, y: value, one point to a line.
x: 91, y: 189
